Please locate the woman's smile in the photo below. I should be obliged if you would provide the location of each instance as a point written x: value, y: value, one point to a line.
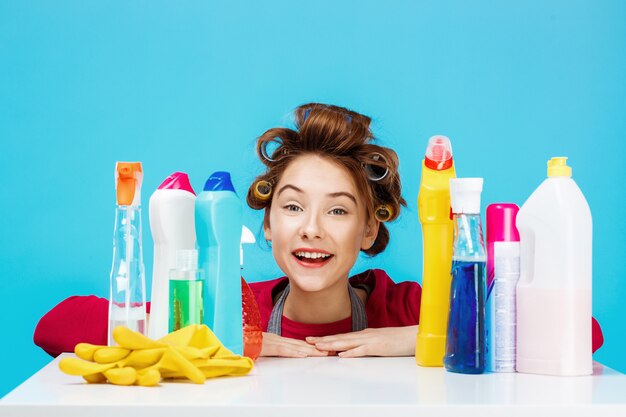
x: 312, y: 258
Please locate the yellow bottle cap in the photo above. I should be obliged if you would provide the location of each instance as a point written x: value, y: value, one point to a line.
x: 557, y: 167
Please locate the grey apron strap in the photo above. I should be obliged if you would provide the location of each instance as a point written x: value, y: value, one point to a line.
x: 359, y: 316
x: 275, y: 323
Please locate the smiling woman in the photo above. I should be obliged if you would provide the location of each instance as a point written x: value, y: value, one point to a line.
x: 328, y: 192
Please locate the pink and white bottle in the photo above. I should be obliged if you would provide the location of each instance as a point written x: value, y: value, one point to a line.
x: 172, y: 226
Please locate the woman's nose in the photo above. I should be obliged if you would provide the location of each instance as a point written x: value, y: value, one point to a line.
x: 312, y: 228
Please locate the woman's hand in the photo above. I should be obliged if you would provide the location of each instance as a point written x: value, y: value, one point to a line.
x: 274, y: 345
x: 387, y: 341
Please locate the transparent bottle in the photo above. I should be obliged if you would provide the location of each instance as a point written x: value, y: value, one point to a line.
x: 465, y: 340
x: 127, y: 299
x: 185, y: 291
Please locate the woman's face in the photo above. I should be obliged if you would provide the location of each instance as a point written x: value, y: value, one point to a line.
x: 317, y: 223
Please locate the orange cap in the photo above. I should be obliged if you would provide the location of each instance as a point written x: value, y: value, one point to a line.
x: 128, y: 176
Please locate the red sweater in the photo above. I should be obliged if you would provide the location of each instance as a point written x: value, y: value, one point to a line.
x: 84, y: 318
x: 388, y: 305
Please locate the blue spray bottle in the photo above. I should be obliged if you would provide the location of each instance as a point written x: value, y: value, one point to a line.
x: 218, y: 221
x: 465, y: 342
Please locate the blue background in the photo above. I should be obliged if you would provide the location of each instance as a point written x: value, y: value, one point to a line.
x: 189, y: 86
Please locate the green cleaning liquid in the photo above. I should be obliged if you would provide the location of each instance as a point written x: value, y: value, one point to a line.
x: 185, y: 303
x: 186, y: 285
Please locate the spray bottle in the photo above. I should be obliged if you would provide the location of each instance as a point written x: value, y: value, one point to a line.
x: 252, y: 325
x: 437, y: 228
x: 172, y: 226
x: 218, y: 222
x: 554, y: 288
x: 127, y: 300
x: 465, y: 342
x: 503, y: 269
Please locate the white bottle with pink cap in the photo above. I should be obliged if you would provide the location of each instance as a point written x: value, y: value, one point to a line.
x: 554, y: 289
x: 173, y: 228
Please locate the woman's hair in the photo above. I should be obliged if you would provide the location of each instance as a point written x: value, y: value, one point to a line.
x: 344, y: 137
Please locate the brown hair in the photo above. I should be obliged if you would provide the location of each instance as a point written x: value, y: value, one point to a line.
x: 343, y: 136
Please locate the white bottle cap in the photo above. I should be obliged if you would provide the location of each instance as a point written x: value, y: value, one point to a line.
x: 465, y: 195
x: 187, y: 259
x: 246, y: 237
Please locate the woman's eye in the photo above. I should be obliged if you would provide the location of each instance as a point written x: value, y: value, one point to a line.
x: 292, y: 207
x: 338, y: 211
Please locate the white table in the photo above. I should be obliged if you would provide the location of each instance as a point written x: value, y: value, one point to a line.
x: 322, y: 387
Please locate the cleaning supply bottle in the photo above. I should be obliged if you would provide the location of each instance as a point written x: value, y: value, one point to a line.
x: 185, y: 291
x: 251, y: 316
x: 218, y: 222
x: 503, y: 268
x: 554, y: 289
x: 433, y: 204
x: 172, y: 226
x: 127, y: 299
x: 465, y: 342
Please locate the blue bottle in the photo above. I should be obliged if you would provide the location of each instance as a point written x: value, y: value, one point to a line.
x: 465, y: 342
x: 218, y: 222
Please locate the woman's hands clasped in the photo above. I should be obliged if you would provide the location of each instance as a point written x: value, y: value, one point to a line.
x: 388, y: 341
x: 274, y: 345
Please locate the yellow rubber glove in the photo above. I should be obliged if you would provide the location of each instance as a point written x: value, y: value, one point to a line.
x: 192, y: 352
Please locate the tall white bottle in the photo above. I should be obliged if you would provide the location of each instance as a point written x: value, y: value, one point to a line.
x: 554, y: 289
x: 173, y: 228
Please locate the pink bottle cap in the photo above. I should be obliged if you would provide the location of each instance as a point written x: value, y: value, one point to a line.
x: 177, y: 181
x: 501, y: 222
x: 500, y: 228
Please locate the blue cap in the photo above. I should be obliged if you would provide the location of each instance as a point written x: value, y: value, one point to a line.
x: 219, y: 181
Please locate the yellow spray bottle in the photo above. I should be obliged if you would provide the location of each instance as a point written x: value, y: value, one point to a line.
x: 433, y: 203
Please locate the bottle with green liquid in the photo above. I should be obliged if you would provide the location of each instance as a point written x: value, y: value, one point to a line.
x: 186, y: 305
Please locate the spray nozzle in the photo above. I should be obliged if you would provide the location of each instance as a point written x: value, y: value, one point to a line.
x: 128, y: 177
x: 438, y: 153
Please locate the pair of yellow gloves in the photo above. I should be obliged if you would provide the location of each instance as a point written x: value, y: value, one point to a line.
x: 192, y: 352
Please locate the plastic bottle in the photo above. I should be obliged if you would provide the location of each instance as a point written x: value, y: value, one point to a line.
x: 433, y: 204
x: 218, y: 217
x: 185, y: 291
x: 127, y: 298
x: 251, y: 317
x: 172, y: 226
x: 503, y: 267
x: 554, y: 290
x: 465, y: 343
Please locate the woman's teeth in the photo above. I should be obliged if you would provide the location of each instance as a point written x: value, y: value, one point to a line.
x: 312, y: 255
